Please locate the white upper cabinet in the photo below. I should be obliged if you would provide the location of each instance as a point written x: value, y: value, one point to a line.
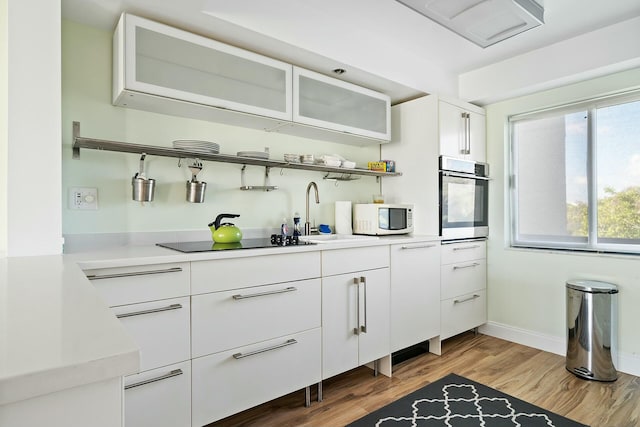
x: 329, y: 103
x: 170, y: 71
x: 155, y: 59
x: 462, y: 131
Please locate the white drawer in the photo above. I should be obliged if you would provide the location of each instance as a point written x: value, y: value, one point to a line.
x: 230, y: 382
x: 225, y: 320
x: 160, y: 329
x: 463, y: 251
x: 129, y: 285
x: 342, y: 261
x: 159, y: 398
x: 462, y: 278
x: 462, y: 313
x: 225, y: 274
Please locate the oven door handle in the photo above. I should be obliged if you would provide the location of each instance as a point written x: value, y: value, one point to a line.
x: 464, y: 175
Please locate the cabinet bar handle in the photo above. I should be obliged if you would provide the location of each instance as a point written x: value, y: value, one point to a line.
x: 468, y: 133
x: 356, y: 330
x: 363, y: 328
x: 463, y: 147
x: 418, y: 246
x: 459, y: 301
x: 133, y: 273
x: 171, y: 374
x: 460, y: 267
x: 261, y: 294
x: 151, y: 310
x: 462, y: 248
x: 262, y: 350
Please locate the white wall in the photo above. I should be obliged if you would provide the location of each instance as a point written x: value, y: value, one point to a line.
x: 526, y: 288
x: 86, y: 54
x: 4, y: 82
x: 31, y: 180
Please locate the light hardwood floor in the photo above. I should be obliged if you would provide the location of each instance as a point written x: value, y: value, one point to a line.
x: 526, y: 373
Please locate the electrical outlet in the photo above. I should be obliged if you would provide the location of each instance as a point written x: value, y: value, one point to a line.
x: 83, y: 198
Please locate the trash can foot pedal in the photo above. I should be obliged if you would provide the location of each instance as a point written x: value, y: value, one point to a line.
x: 583, y: 372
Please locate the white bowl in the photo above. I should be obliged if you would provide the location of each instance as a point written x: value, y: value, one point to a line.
x: 348, y: 164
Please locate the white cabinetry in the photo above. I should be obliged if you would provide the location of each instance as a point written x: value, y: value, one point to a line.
x: 255, y: 329
x: 156, y: 65
x: 159, y: 397
x: 463, y: 285
x: 414, y: 147
x: 355, y: 308
x: 153, y: 305
x: 415, y: 293
x: 166, y: 70
x: 344, y: 107
x: 462, y: 131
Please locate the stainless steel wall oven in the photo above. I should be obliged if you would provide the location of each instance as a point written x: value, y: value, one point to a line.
x: 464, y: 199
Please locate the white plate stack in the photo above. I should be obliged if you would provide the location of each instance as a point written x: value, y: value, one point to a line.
x: 196, y: 146
x: 292, y: 158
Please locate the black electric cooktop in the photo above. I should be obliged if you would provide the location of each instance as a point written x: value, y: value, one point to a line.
x: 208, y: 245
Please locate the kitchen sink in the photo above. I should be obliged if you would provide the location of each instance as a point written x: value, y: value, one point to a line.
x: 336, y: 238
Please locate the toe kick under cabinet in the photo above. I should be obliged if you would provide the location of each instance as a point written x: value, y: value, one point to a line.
x: 255, y: 331
x: 463, y: 287
x: 153, y: 304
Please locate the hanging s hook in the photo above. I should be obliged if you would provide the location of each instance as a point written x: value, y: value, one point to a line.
x: 281, y: 171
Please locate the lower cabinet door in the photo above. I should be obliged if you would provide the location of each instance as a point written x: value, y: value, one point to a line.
x: 463, y: 313
x: 159, y: 398
x: 355, y: 320
x: 231, y: 381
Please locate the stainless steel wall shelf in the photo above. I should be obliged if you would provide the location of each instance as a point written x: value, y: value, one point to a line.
x: 152, y: 150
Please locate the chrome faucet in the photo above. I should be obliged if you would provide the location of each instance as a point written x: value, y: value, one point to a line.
x: 307, y: 224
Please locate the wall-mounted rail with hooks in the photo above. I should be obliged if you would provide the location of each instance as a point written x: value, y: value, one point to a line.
x: 80, y: 142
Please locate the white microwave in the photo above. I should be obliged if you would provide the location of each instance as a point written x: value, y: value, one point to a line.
x: 379, y: 219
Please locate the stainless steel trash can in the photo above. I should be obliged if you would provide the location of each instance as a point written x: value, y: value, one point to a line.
x: 592, y: 313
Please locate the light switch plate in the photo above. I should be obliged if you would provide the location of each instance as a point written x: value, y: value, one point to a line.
x: 83, y: 198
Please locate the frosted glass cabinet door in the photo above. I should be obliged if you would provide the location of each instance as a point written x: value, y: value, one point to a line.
x: 329, y: 103
x: 172, y: 63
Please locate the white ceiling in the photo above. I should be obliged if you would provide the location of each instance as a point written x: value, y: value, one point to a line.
x: 381, y: 43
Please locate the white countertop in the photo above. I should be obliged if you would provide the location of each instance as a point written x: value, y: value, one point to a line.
x: 125, y: 256
x: 55, y: 330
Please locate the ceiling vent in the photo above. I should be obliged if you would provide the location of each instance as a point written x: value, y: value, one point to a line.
x: 484, y: 22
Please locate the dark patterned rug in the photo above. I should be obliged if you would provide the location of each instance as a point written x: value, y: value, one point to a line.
x: 454, y: 401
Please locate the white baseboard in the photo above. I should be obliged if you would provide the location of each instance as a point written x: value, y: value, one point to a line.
x: 627, y: 362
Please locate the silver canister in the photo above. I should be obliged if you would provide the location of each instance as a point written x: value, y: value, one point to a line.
x: 143, y: 188
x: 195, y: 191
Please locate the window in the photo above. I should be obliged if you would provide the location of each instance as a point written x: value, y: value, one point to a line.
x: 575, y: 176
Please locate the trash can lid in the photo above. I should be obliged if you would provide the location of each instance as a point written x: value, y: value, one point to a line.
x: 592, y: 286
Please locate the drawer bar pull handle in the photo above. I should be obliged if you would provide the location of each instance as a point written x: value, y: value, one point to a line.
x: 151, y: 310
x: 261, y: 294
x: 171, y: 374
x: 462, y: 248
x: 133, y: 273
x: 288, y: 342
x: 460, y: 301
x: 459, y: 267
x: 417, y: 247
